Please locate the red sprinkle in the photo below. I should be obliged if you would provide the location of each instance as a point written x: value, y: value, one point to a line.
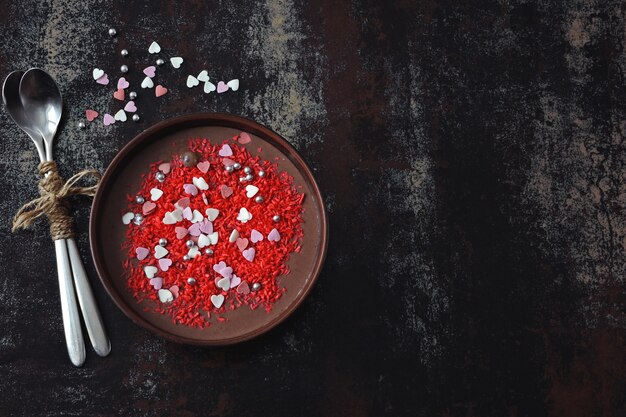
x: 193, y: 306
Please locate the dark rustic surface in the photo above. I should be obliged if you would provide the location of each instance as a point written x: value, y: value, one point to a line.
x: 472, y: 159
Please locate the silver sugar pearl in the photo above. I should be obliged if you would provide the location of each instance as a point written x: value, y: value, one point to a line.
x: 162, y: 241
x: 139, y: 199
x: 229, y: 168
x: 256, y: 286
x: 135, y: 117
x: 259, y: 199
x: 132, y: 95
x: 186, y: 258
x: 242, y: 179
x: 124, y: 52
x: 190, y: 243
x: 249, y: 177
x: 191, y: 280
x: 160, y: 62
x: 138, y: 218
x: 81, y: 125
x: 124, y: 68
x: 160, y: 177
x: 237, y: 165
x: 112, y: 32
x: 261, y: 174
x: 247, y: 170
x: 276, y: 218
x: 208, y: 251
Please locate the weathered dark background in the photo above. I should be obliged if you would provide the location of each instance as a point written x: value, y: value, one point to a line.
x: 472, y: 159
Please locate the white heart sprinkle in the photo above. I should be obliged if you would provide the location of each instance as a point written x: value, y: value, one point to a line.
x: 169, y: 218
x: 203, y: 240
x: 150, y: 271
x: 213, y: 237
x: 166, y: 296
x: 192, y: 81
x: 155, y: 194
x: 244, y: 215
x: 212, y: 213
x: 121, y: 115
x: 97, y: 73
x: 128, y: 217
x: 160, y: 251
x: 203, y: 76
x: 193, y: 252
x: 200, y: 183
x: 147, y: 83
x: 209, y: 87
x: 176, y: 61
x: 154, y: 48
x: 251, y: 191
x: 197, y: 217
x: 217, y: 300
x: 234, y: 236
x: 178, y: 214
x: 224, y: 284
x: 233, y: 84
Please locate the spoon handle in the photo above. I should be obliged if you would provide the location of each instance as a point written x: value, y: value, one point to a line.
x: 88, y: 306
x: 69, y: 306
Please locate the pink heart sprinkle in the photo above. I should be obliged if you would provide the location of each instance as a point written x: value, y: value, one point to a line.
x: 108, y: 119
x: 206, y: 227
x: 148, y: 207
x: 194, y: 229
x: 190, y: 189
x: 174, y: 290
x: 226, y: 191
x: 181, y: 232
x: 249, y: 254
x: 142, y: 253
x: 228, y: 162
x: 187, y: 213
x: 122, y: 83
x: 242, y: 243
x: 219, y: 266
x: 91, y: 115
x: 226, y: 150
x: 234, y: 281
x: 243, y: 288
x: 222, y: 87
x: 216, y: 280
x: 131, y: 108
x: 274, y: 236
x: 256, y: 236
x: 244, y: 138
x: 160, y: 91
x: 150, y: 71
x: 104, y: 80
x: 183, y: 202
x: 164, y: 264
x: 157, y: 283
x: 204, y: 166
x: 119, y: 94
x: 226, y: 272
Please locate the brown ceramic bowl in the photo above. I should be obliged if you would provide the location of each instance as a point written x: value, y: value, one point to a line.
x: 122, y: 177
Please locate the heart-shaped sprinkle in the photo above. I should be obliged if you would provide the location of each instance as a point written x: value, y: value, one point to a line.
x: 213, y: 237
x: 170, y: 218
x: 128, y: 217
x: 224, y: 284
x: 233, y: 84
x: 121, y: 115
x: 244, y: 215
x: 212, y: 213
x: 228, y: 162
x: 234, y: 281
x: 157, y: 283
x: 181, y: 232
x: 155, y: 194
x: 242, y: 243
x: 249, y: 254
x: 244, y: 138
x: 154, y: 48
x: 174, y: 290
x: 160, y: 91
x: 187, y: 213
x: 190, y: 189
x: 226, y: 191
x: 200, y: 183
x: 165, y: 296
x: 243, y: 288
x: 193, y: 252
x: 204, y: 166
x: 209, y: 87
x: 194, y: 229
x: 148, y: 207
x: 205, y: 199
x: 142, y: 253
x: 256, y: 236
x: 97, y: 73
x: 150, y: 271
x: 225, y: 150
x: 222, y: 87
x: 206, y: 227
x: 165, y: 167
x: 160, y: 251
x: 176, y: 61
x: 131, y: 108
x: 119, y: 95
x: 234, y: 235
x: 91, y: 115
x: 251, y: 191
x: 217, y: 300
x: 226, y: 272
x: 273, y: 236
x: 165, y: 264
x: 203, y: 240
x: 219, y: 266
x: 147, y: 83
x: 104, y: 80
x: 108, y: 119
x: 150, y: 71
x: 122, y: 83
x: 197, y: 217
x: 192, y: 81
x: 183, y: 203
x: 203, y: 76
x: 178, y: 214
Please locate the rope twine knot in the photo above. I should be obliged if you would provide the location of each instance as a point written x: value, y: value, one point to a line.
x: 53, y: 202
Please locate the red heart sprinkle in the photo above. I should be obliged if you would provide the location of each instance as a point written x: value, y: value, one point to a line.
x: 226, y: 191
x: 160, y: 91
x: 91, y: 115
x: 119, y: 94
x: 242, y: 243
x: 244, y: 138
x: 148, y: 207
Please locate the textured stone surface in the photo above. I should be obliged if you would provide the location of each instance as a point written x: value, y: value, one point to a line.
x: 472, y: 159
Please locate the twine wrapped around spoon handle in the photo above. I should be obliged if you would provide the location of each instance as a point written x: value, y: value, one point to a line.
x: 52, y: 201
